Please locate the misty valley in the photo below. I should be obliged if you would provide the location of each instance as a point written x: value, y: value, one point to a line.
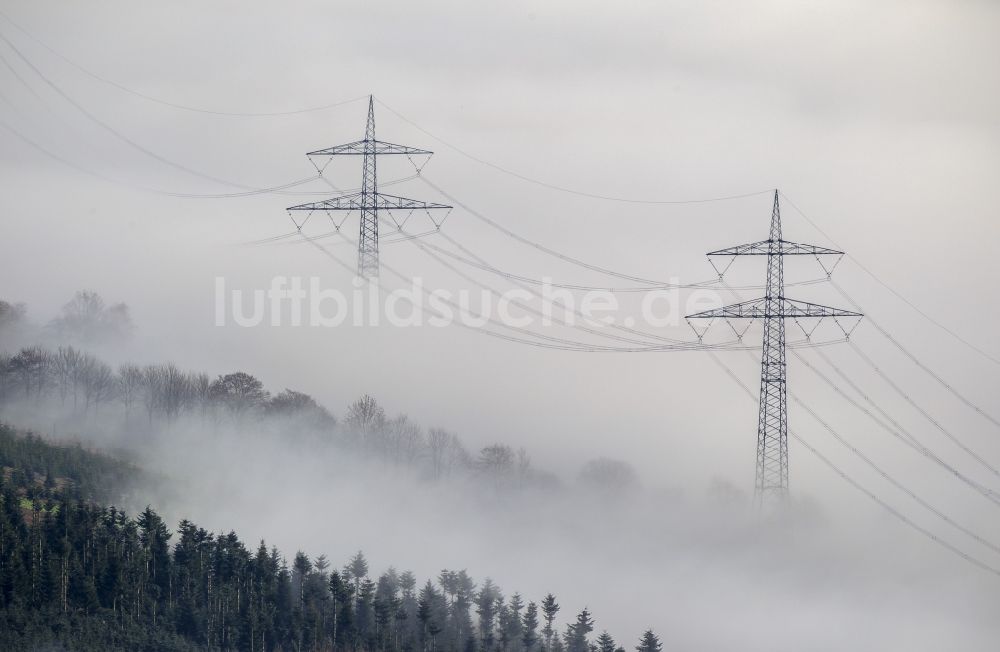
x: 542, y: 326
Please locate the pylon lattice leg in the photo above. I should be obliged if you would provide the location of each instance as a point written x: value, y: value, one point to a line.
x: 368, y: 266
x: 772, y: 421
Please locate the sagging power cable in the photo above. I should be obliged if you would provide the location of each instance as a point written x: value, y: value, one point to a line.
x: 898, y: 295
x: 896, y: 430
x: 921, y: 365
x: 126, y: 139
x: 175, y: 105
x: 857, y: 485
x: 550, y: 186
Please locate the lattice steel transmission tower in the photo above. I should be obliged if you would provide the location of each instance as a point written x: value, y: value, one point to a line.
x: 774, y: 308
x: 369, y: 201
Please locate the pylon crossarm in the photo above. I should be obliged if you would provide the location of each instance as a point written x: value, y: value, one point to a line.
x: 763, y: 309
x: 784, y: 248
x: 377, y: 147
x: 389, y: 202
x: 793, y: 308
x: 377, y: 201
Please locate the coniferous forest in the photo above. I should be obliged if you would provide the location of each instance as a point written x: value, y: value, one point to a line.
x: 85, y: 576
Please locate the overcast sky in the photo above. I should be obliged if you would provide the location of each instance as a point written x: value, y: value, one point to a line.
x: 878, y: 119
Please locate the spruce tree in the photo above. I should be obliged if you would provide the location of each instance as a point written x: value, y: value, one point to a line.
x: 549, y: 610
x: 605, y: 643
x: 650, y: 642
x: 530, y: 636
x: 576, y: 633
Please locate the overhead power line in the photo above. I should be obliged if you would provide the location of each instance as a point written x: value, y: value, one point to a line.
x: 477, y: 263
x: 557, y: 342
x: 897, y: 484
x: 891, y: 480
x: 117, y: 134
x: 511, y: 234
x: 857, y: 485
x: 550, y: 186
x: 896, y: 430
x: 548, y: 342
x: 175, y: 105
x: 251, y: 191
x: 923, y: 367
x: 528, y: 287
x: 462, y: 152
x: 134, y: 186
x: 28, y: 87
x: 528, y: 179
x: 530, y: 309
x: 899, y: 296
x: 921, y: 410
x: 428, y: 249
x: 280, y: 189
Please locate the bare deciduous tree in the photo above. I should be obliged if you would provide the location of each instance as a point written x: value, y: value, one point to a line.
x: 129, y: 386
x: 496, y: 462
x: 240, y: 392
x: 437, y: 447
x: 98, y: 382
x: 86, y: 318
x: 446, y: 453
x: 406, y: 440
x: 152, y: 382
x: 366, y: 419
x: 65, y: 371
x: 200, y: 386
x: 31, y: 367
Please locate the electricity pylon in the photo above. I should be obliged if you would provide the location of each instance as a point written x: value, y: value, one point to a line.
x: 369, y: 201
x: 774, y: 308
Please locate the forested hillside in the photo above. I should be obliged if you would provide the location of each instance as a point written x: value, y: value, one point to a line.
x: 89, y: 577
x: 48, y: 376
x: 77, y: 571
x: 39, y: 471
